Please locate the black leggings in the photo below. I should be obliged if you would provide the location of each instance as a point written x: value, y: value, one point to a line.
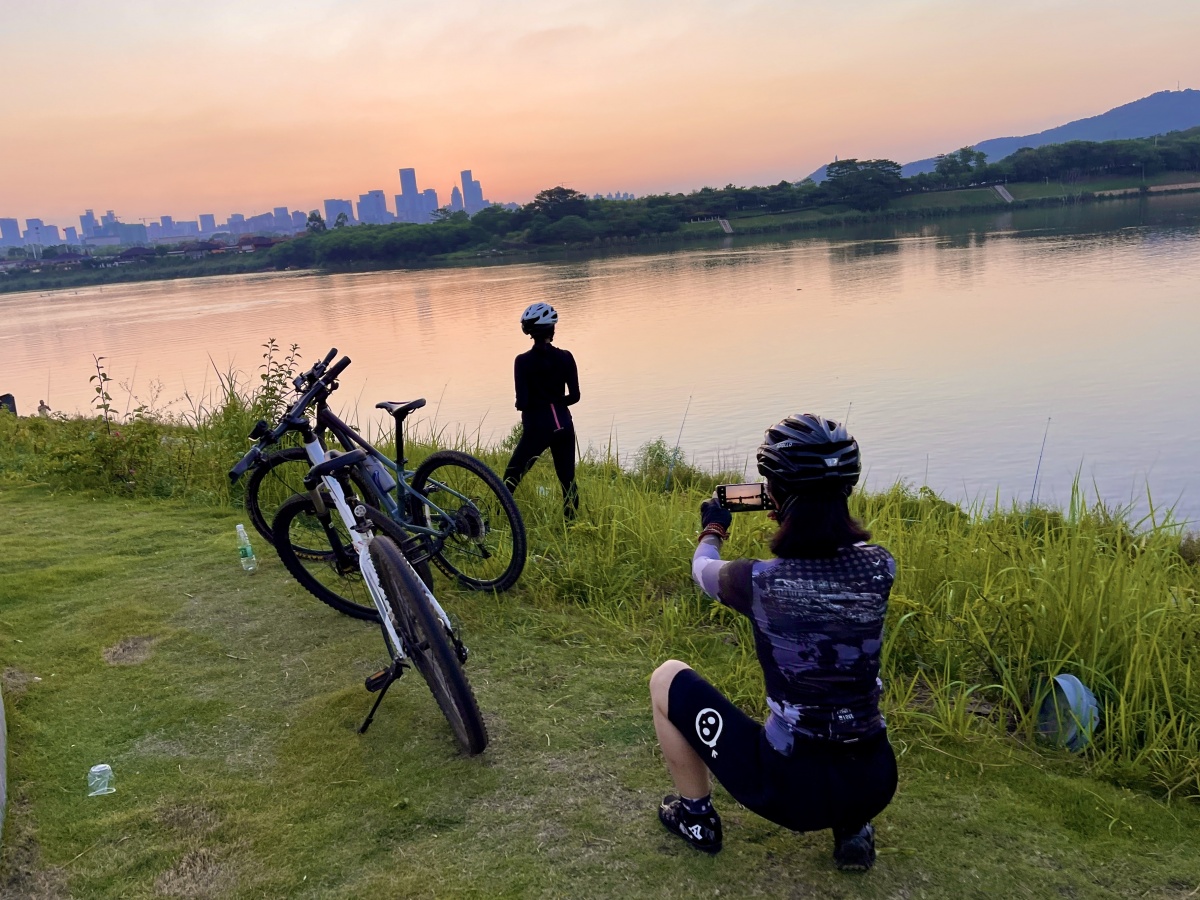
x: 821, y: 785
x: 561, y: 444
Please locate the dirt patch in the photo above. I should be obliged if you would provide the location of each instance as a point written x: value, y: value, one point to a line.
x: 20, y: 871
x: 200, y: 873
x: 129, y: 651
x: 14, y: 682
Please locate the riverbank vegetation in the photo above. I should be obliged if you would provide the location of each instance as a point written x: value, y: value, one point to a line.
x: 227, y: 705
x: 854, y: 191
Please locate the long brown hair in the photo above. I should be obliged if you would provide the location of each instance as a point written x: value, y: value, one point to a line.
x: 814, y: 522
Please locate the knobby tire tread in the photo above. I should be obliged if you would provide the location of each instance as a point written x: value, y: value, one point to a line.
x: 428, y: 646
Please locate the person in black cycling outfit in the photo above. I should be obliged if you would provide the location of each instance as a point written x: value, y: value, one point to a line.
x: 547, y: 383
x: 822, y: 759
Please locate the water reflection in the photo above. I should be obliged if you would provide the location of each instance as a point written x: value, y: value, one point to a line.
x: 950, y: 342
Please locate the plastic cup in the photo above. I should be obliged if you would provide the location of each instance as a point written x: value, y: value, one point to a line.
x: 100, y: 780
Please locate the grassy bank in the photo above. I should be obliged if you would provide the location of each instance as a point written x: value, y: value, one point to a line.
x: 227, y: 704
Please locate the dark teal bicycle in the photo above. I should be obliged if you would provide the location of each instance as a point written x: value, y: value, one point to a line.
x: 452, y: 510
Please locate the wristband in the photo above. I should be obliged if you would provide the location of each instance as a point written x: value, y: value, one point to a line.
x: 717, y: 531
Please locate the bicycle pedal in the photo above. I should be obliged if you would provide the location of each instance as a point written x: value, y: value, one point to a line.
x: 383, y: 678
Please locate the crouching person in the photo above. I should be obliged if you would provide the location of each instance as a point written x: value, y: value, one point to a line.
x: 822, y: 759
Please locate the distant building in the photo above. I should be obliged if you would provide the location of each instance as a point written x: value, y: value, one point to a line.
x: 236, y: 224
x: 334, y: 208
x: 372, y: 209
x: 38, y: 232
x: 70, y: 235
x: 472, y: 193
x: 299, y: 221
x: 10, y: 233
x: 409, y: 205
x: 456, y: 200
x: 87, y: 224
x: 283, y: 220
x: 208, y: 223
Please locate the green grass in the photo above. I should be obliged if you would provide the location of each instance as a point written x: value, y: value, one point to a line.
x: 227, y: 705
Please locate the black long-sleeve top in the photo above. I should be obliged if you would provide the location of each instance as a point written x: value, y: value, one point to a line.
x: 547, y: 382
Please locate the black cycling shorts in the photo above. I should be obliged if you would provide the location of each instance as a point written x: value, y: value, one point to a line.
x: 820, y: 785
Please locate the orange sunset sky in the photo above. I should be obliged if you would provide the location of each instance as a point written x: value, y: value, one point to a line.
x: 154, y: 108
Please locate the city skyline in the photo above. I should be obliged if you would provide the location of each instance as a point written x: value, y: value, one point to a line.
x: 171, y: 109
x: 411, y: 205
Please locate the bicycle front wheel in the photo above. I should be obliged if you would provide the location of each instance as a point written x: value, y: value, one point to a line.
x: 329, y: 569
x: 279, y: 477
x: 428, y: 646
x: 482, y: 536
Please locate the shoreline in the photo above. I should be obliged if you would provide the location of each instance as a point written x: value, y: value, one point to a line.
x: 753, y: 226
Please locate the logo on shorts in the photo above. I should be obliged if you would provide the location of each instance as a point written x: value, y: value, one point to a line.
x: 708, y: 728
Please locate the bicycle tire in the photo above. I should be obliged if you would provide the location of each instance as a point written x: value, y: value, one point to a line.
x: 279, y: 477
x: 483, y: 544
x: 337, y: 583
x: 428, y: 646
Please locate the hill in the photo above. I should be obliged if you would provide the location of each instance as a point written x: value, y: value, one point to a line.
x: 1157, y: 114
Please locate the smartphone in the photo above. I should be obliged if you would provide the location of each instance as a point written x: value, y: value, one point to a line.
x: 744, y: 497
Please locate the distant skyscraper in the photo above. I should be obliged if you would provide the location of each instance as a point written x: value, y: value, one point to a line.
x: 299, y: 220
x: 87, y: 224
x: 456, y: 200
x: 70, y: 235
x: 38, y: 232
x: 408, y: 201
x: 236, y: 224
x: 208, y: 223
x: 372, y: 208
x: 10, y: 233
x: 168, y: 226
x: 472, y: 193
x: 334, y: 207
x: 429, y: 203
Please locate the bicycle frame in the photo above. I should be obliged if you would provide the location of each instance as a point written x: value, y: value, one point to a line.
x: 351, y: 439
x: 360, y: 538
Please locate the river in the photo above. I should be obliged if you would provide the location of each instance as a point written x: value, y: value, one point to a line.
x: 956, y: 348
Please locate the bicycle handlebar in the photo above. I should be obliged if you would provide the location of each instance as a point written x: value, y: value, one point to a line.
x: 320, y: 381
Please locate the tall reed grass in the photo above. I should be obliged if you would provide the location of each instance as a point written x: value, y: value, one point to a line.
x: 989, y: 602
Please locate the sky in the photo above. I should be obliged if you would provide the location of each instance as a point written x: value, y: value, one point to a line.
x: 153, y: 108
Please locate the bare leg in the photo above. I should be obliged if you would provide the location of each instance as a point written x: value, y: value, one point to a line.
x: 687, y: 769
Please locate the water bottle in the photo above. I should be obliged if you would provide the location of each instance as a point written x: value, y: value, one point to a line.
x: 380, y: 474
x: 100, y: 780
x: 245, y: 551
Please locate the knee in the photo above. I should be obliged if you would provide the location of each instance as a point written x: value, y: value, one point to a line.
x: 660, y: 681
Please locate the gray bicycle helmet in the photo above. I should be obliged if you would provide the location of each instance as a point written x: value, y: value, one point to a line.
x: 807, y: 450
x: 539, y: 318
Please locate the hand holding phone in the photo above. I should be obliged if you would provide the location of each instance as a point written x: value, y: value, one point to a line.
x: 750, y: 497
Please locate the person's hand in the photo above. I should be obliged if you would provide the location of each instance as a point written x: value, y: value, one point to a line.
x: 714, y: 519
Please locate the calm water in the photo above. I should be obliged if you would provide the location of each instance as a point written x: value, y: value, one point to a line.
x: 949, y: 346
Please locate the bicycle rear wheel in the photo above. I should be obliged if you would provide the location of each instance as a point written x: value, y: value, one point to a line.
x: 428, y: 646
x: 482, y: 541
x: 278, y: 478
x: 329, y: 569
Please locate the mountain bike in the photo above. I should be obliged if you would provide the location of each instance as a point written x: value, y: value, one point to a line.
x: 453, y: 506
x: 416, y: 630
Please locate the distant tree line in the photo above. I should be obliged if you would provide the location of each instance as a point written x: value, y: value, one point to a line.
x: 561, y: 216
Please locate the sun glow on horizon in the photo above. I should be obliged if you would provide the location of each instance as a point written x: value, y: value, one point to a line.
x: 165, y: 109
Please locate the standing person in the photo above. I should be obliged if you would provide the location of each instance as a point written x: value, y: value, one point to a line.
x: 822, y: 759
x: 547, y: 383
x: 43, y: 408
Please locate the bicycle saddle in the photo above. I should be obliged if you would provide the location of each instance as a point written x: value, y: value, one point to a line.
x: 400, y: 409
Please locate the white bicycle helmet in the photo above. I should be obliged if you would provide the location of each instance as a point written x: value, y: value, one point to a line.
x: 538, y: 318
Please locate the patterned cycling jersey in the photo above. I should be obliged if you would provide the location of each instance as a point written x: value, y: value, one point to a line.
x: 818, y: 631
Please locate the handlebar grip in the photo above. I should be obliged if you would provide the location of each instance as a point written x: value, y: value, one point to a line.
x: 338, y: 368
x: 245, y: 463
x: 329, y: 357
